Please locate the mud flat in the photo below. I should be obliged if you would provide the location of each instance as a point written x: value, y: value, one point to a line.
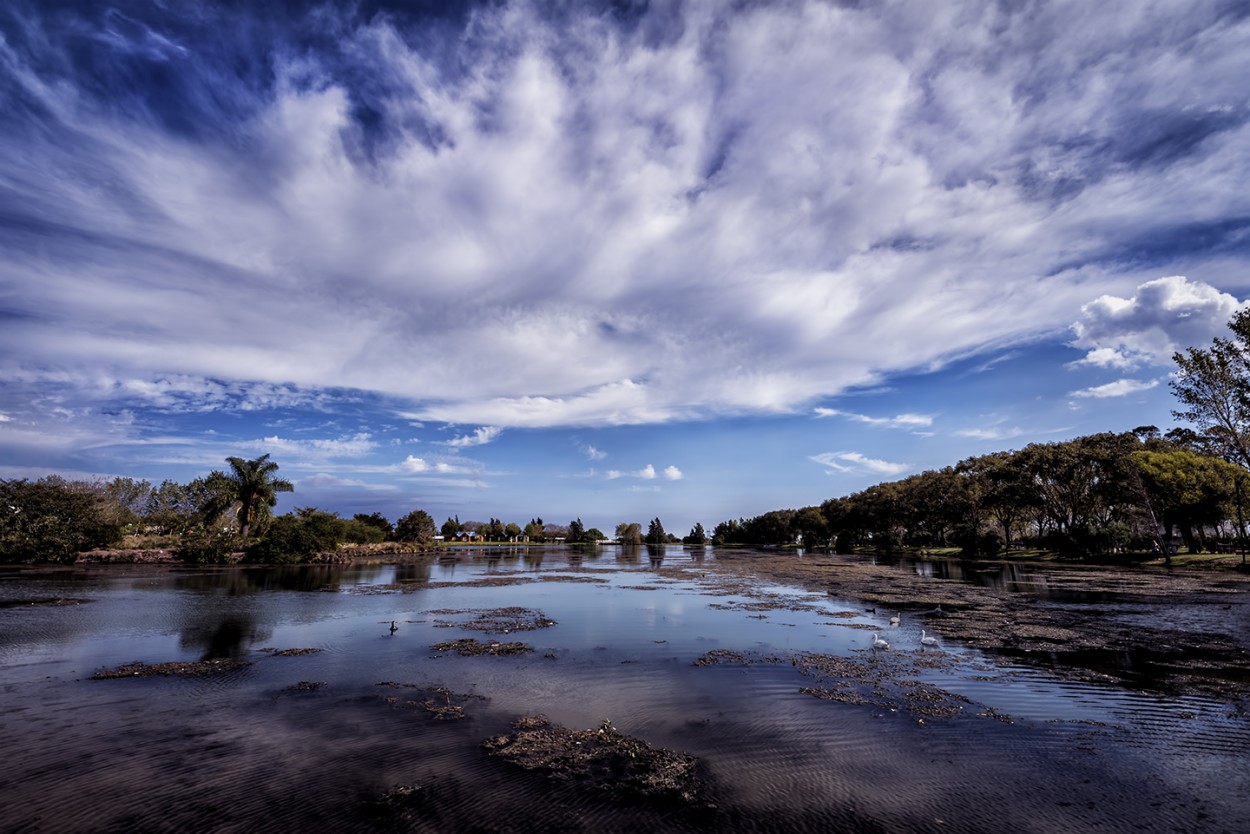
x: 1183, y: 632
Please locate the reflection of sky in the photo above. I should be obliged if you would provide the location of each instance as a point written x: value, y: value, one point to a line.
x: 623, y: 631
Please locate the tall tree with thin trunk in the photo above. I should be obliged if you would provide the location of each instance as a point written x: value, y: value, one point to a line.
x: 255, y: 488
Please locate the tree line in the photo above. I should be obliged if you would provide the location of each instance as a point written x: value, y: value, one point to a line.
x: 1103, y: 493
x: 227, y: 515
x: 1107, y: 492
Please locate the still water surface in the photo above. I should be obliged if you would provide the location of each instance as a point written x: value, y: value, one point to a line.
x: 252, y: 751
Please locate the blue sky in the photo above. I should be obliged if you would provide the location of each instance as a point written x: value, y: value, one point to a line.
x: 606, y: 260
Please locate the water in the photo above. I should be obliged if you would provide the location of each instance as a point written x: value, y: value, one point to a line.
x: 254, y: 750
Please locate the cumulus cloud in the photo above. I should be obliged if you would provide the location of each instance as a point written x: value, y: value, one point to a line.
x: 673, y: 473
x: 530, y: 218
x: 1164, y: 316
x: 647, y: 473
x: 856, y: 462
x: 1119, y: 388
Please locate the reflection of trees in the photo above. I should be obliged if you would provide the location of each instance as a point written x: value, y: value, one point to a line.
x: 255, y: 580
x: 655, y: 553
x: 414, y: 572
x: 533, y: 559
x: 629, y: 554
x: 229, y: 637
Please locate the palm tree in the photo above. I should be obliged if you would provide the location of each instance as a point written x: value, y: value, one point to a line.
x: 255, y: 488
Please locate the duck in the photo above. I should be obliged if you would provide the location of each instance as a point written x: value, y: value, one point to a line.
x: 394, y: 628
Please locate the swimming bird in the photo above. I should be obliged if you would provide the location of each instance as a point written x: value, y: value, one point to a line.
x: 394, y: 628
x: 895, y: 620
x: 927, y: 641
x: 878, y: 643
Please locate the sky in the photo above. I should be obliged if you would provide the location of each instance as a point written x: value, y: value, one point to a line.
x: 606, y: 260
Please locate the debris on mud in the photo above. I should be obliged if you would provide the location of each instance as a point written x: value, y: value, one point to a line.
x: 469, y: 647
x: 197, y: 668
x: 603, y: 759
x: 719, y: 657
x: 288, y: 652
x: 438, y: 701
x: 494, y: 620
x: 305, y: 686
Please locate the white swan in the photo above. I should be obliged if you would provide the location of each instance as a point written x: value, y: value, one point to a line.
x: 878, y: 643
x: 927, y: 641
x: 895, y: 620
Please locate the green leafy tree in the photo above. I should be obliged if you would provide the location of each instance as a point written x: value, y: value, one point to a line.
x: 377, y: 521
x: 594, y: 534
x: 254, y: 488
x: 52, y: 519
x: 450, y: 528
x: 1213, y: 386
x: 810, y: 526
x: 577, y: 532
x: 697, y: 535
x: 416, y: 526
x: 629, y: 533
x: 513, y: 531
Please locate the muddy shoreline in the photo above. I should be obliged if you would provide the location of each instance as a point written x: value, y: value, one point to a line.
x: 1184, y: 632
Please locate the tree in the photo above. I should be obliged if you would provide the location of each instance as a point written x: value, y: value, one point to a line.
x: 255, y: 489
x: 811, y: 527
x: 595, y: 535
x: 52, y: 519
x: 450, y: 528
x: 629, y: 533
x: 655, y: 532
x: 697, y: 535
x: 577, y: 532
x: 1213, y: 385
x: 377, y: 521
x: 416, y: 526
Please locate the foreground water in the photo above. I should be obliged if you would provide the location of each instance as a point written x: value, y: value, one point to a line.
x: 309, y: 742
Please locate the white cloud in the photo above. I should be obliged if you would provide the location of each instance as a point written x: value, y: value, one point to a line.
x: 1119, y: 388
x: 991, y: 433
x: 351, y: 446
x: 673, y: 473
x: 900, y: 421
x: 613, y: 474
x: 593, y: 453
x: 854, y: 461
x: 413, y: 464
x: 323, y: 479
x: 1165, y: 315
x: 905, y: 187
x: 480, y: 437
x: 646, y: 473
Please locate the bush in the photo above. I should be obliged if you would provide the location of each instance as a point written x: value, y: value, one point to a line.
x: 52, y: 520
x: 293, y: 538
x: 209, y: 547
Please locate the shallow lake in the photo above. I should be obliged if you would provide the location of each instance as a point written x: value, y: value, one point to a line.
x: 667, y: 646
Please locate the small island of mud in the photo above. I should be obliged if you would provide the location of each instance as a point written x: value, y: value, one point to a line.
x: 469, y: 647
x: 602, y: 759
x: 176, y: 668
